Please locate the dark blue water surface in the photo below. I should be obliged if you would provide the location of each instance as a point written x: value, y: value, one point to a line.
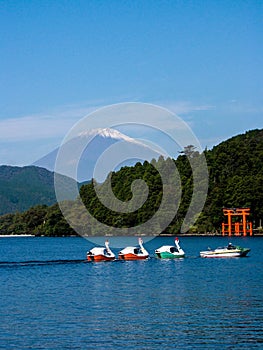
x: 52, y: 299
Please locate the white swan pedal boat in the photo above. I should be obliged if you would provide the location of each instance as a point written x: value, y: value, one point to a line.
x: 101, y: 253
x: 169, y: 251
x: 231, y: 251
x: 134, y: 253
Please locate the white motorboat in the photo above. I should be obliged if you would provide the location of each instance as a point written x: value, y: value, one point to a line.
x: 231, y: 251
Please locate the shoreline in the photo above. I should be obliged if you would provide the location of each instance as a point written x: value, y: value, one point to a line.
x: 15, y: 236
x: 163, y: 235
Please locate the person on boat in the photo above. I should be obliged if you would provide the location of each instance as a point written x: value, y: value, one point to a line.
x: 230, y: 246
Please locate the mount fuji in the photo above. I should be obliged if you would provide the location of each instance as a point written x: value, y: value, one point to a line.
x: 84, y: 153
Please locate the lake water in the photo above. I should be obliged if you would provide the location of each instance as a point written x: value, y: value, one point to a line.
x: 52, y: 299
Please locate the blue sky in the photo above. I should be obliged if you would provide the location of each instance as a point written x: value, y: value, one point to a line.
x: 62, y: 59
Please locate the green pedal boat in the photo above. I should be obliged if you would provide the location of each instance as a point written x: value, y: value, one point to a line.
x: 170, y: 252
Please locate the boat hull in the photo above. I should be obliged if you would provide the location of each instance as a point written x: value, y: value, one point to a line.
x: 167, y: 255
x: 131, y: 256
x: 98, y: 258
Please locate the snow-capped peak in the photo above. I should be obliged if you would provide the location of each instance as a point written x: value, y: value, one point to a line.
x: 107, y: 133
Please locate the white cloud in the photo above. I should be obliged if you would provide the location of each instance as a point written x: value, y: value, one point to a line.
x: 41, y: 126
x: 58, y: 122
x: 186, y: 107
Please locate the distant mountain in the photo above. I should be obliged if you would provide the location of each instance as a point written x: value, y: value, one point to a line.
x: 25, y: 187
x: 98, y: 141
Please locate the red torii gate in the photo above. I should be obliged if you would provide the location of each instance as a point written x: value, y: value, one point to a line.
x: 237, y: 228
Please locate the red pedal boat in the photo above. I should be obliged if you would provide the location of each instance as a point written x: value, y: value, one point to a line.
x: 134, y: 253
x: 101, y: 253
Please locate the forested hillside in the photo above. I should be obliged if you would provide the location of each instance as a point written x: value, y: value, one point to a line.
x: 236, y: 177
x: 25, y: 187
x: 235, y: 180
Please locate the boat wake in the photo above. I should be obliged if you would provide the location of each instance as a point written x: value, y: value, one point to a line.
x: 39, y: 262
